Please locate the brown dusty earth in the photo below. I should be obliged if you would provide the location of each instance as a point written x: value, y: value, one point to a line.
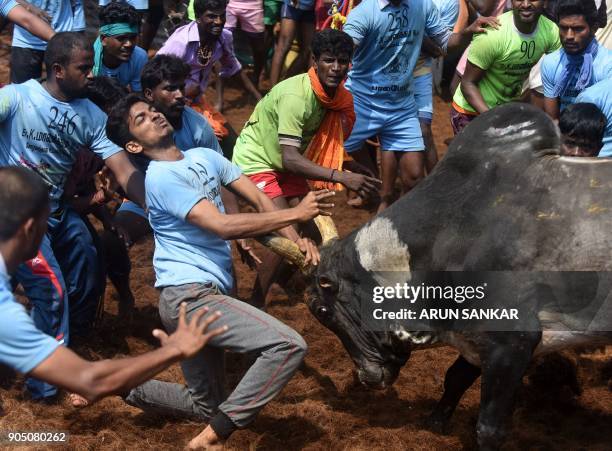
x: 322, y: 407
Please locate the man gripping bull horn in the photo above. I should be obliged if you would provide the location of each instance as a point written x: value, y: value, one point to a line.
x: 296, y: 133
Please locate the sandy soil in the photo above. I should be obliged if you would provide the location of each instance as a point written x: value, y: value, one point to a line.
x: 322, y: 407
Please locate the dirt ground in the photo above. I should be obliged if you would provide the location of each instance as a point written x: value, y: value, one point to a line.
x: 322, y: 407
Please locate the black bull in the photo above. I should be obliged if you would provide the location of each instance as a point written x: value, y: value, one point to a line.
x: 501, y: 200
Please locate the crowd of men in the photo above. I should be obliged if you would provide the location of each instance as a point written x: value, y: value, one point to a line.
x: 109, y: 117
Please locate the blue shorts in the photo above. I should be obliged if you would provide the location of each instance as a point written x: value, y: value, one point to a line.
x: 132, y: 207
x: 423, y: 95
x: 299, y: 15
x: 397, y: 131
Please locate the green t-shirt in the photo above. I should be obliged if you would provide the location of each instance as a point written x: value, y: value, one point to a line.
x: 507, y: 56
x: 289, y: 114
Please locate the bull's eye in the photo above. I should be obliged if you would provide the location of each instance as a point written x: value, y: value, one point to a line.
x: 326, y: 283
x: 322, y: 311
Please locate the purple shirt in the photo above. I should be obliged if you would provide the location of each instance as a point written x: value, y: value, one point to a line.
x: 185, y: 42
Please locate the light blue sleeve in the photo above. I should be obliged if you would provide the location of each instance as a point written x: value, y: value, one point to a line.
x: 22, y: 346
x: 139, y: 60
x: 358, y: 24
x: 170, y: 193
x: 548, y: 69
x: 449, y: 12
x: 228, y: 171
x: 9, y: 102
x: 590, y: 95
x: 6, y: 6
x: 100, y: 144
x: 435, y: 28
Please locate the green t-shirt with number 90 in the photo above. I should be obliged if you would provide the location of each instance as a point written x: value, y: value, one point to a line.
x: 507, y: 56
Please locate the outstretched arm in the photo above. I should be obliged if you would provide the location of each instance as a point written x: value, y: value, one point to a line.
x: 296, y: 163
x: 245, y: 225
x: 95, y: 380
x: 128, y: 177
x: 25, y: 18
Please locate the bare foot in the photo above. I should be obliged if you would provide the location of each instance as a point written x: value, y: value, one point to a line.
x: 208, y: 440
x: 77, y: 401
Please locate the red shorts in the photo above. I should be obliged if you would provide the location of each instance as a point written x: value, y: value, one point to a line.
x: 280, y: 184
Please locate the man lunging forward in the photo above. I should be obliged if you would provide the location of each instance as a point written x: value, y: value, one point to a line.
x: 193, y: 264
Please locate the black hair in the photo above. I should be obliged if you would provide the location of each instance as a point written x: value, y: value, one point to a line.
x: 586, y: 8
x: 23, y: 195
x: 163, y: 68
x: 583, y: 121
x: 106, y: 92
x: 118, y: 12
x: 201, y: 6
x: 60, y: 48
x: 333, y: 41
x: 117, y: 127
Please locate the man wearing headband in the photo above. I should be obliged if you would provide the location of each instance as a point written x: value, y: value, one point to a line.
x: 116, y: 53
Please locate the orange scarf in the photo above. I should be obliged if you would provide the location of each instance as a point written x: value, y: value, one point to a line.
x: 327, y: 146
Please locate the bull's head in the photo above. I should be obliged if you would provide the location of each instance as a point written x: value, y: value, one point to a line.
x: 334, y: 297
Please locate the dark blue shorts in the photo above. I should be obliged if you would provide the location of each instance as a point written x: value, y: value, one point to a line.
x: 299, y: 15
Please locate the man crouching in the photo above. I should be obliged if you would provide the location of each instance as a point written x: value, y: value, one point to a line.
x: 193, y: 264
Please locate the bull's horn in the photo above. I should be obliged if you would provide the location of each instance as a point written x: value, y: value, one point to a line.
x: 327, y: 228
x: 286, y: 249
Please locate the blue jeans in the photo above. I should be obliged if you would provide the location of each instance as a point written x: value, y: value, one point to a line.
x: 63, y: 285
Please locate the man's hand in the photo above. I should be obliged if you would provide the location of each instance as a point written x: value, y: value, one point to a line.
x: 309, y: 248
x: 190, y: 338
x: 246, y: 253
x: 481, y: 23
x: 312, y: 205
x: 364, y: 185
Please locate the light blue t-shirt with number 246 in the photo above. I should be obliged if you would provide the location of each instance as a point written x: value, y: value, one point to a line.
x: 45, y: 134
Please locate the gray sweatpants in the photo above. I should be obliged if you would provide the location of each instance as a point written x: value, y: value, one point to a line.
x: 278, y: 348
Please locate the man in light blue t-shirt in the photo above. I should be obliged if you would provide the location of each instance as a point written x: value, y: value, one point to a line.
x: 600, y: 94
x: 388, y: 37
x: 116, y: 54
x: 163, y: 81
x: 42, y: 127
x: 193, y: 263
x: 27, y: 50
x: 580, y: 63
x: 24, y: 208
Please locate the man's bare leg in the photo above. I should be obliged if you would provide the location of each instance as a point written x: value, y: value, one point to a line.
x: 268, y: 269
x: 300, y: 64
x: 388, y: 175
x: 430, y: 145
x: 412, y: 169
x: 285, y: 38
